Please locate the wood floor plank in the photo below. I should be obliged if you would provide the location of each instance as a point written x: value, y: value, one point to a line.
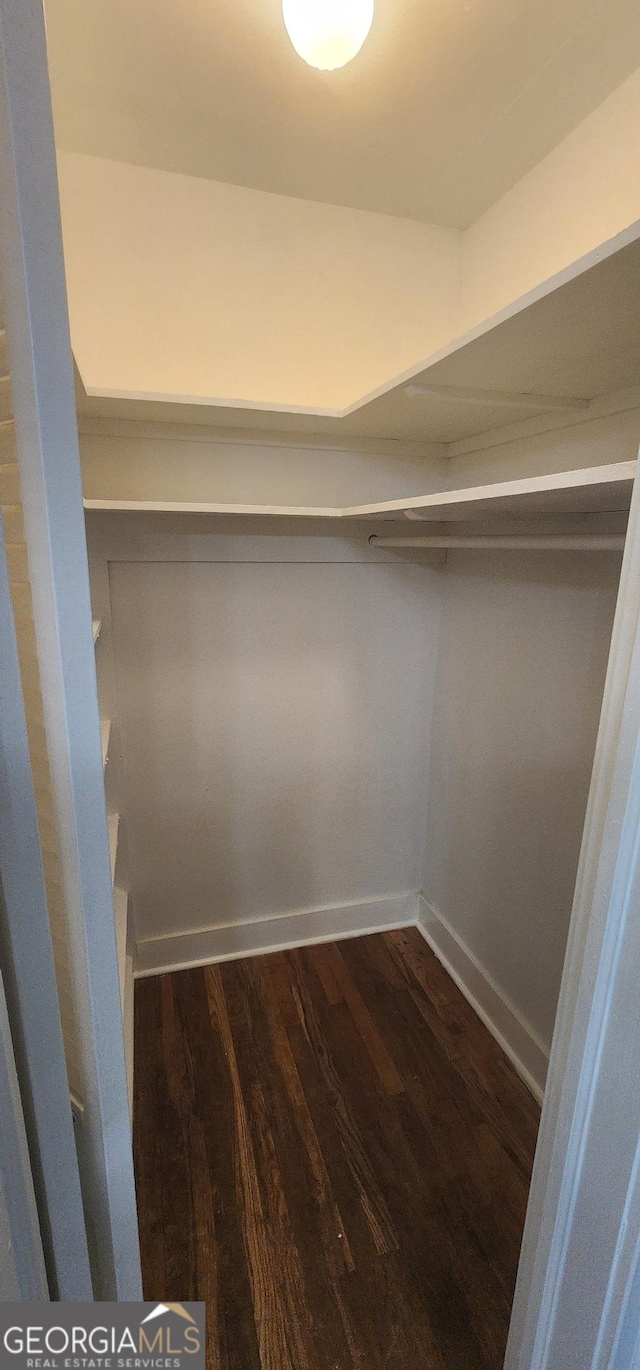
x: 312, y: 1244
x: 325, y: 966
x: 371, y: 1198
x: 148, y: 1136
x: 372, y: 1038
x: 476, y: 1055
x: 208, y: 1093
x: 439, y: 1212
x: 487, y: 1233
x: 334, y: 1154
x: 422, y: 1269
x: 335, y: 1244
x: 273, y: 1261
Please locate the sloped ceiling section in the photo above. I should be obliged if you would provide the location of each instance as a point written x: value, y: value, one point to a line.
x: 448, y: 105
x: 195, y: 292
x: 204, y: 292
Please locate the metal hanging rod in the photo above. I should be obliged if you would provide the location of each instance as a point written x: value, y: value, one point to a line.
x: 559, y: 542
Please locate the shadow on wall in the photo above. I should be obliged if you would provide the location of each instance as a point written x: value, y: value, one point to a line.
x: 523, y: 654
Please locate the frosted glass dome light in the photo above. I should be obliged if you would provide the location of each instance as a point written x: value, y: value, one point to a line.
x: 327, y: 33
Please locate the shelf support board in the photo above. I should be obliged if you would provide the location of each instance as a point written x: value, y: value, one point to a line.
x: 569, y: 542
x: 523, y: 399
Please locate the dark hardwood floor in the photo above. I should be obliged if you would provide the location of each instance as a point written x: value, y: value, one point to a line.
x: 333, y: 1152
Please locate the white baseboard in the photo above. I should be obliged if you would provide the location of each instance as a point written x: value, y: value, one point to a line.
x: 155, y: 955
x: 518, y: 1040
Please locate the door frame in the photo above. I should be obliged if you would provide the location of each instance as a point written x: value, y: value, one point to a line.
x: 575, y: 1303
x: 28, y: 973
x: 43, y: 400
x: 22, y: 1268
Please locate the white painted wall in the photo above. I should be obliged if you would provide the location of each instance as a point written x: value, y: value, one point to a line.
x: 141, y: 461
x: 582, y: 194
x: 523, y: 650
x: 275, y: 720
x: 538, y: 447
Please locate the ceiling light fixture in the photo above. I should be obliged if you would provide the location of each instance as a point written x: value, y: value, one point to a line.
x: 327, y: 33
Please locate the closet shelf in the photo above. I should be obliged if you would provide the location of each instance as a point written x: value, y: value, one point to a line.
x: 596, y: 489
x: 155, y: 506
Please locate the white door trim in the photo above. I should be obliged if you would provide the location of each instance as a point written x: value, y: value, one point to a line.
x: 580, y: 1249
x: 26, y: 954
x: 22, y: 1269
x: 36, y: 318
x: 21, y: 1255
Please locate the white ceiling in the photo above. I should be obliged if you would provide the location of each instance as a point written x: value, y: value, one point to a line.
x: 449, y: 103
